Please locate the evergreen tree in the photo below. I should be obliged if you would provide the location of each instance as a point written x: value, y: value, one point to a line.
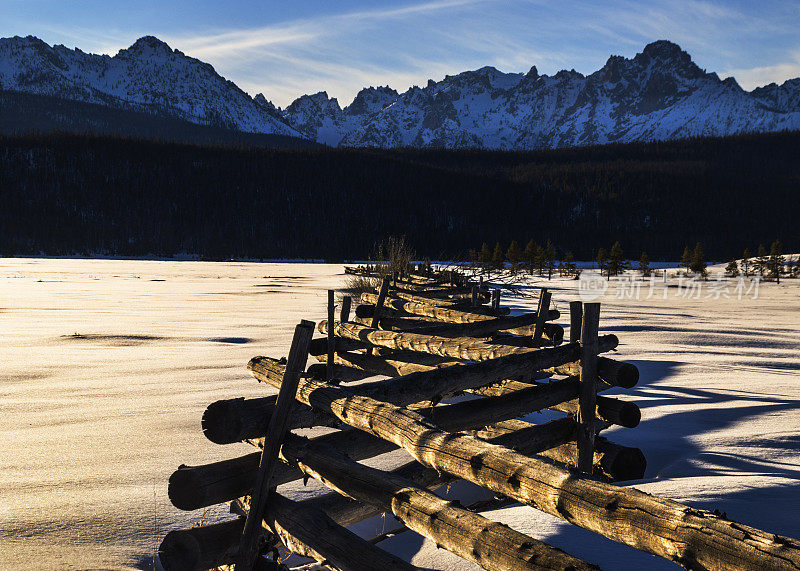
x: 550, y: 259
x: 569, y: 264
x: 732, y: 269
x: 698, y: 264
x: 514, y: 254
x: 761, y: 260
x: 485, y: 256
x: 602, y: 260
x: 529, y: 255
x: 776, y: 260
x: 539, y: 259
x: 616, y: 261
x: 644, y: 265
x: 746, y: 264
x: 686, y: 258
x: 498, y: 257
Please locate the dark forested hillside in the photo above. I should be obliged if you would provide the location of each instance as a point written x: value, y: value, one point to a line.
x: 71, y: 194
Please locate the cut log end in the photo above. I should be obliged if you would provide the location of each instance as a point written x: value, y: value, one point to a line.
x: 220, y: 421
x: 182, y: 490
x: 200, y: 548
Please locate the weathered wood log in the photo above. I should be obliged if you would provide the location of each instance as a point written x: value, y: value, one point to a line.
x: 469, y: 535
x: 319, y: 346
x: 483, y: 327
x: 666, y: 528
x: 587, y: 401
x: 441, y: 313
x: 199, y: 486
x: 233, y: 420
x: 575, y: 319
x: 339, y: 373
x: 611, y: 372
x: 455, y: 347
x: 201, y: 548
x: 608, y: 409
x: 303, y: 528
x: 612, y: 461
x: 276, y: 431
x: 312, y: 533
x: 440, y: 383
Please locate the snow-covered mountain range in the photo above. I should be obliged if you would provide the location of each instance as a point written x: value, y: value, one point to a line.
x: 659, y: 94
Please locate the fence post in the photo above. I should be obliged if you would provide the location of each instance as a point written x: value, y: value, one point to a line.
x: 278, y: 426
x: 331, y: 336
x: 541, y: 316
x: 575, y: 318
x: 379, y: 305
x: 495, y: 299
x: 587, y: 400
x: 347, y: 301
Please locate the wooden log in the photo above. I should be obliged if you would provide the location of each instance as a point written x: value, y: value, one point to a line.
x: 483, y: 327
x: 201, y: 548
x: 233, y: 420
x: 544, y: 307
x: 339, y: 373
x: 378, y: 307
x: 468, y: 535
x: 195, y: 487
x: 276, y: 431
x: 610, y: 371
x: 693, y: 538
x: 441, y: 313
x: 455, y: 347
x: 319, y: 346
x: 312, y: 533
x: 612, y: 462
x: 442, y: 382
x: 608, y: 409
x: 587, y: 401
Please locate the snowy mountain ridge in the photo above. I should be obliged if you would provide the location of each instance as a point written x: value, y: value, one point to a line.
x: 658, y: 94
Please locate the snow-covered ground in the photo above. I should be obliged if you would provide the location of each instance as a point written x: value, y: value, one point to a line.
x: 107, y: 365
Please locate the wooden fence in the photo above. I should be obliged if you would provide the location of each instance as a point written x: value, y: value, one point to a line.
x: 436, y: 336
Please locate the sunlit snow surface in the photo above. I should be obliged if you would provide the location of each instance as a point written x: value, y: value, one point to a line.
x: 106, y: 367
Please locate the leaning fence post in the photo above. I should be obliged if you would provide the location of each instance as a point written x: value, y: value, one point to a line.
x: 347, y: 301
x: 575, y: 318
x: 587, y: 400
x: 278, y: 426
x: 541, y: 316
x: 331, y: 336
x: 495, y: 299
x: 379, y: 305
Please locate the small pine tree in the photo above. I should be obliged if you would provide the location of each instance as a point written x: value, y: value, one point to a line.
x: 776, y: 260
x: 698, y: 264
x: 602, y: 260
x: 644, y: 265
x: 732, y: 269
x: 746, y: 264
x: 498, y: 257
x: 550, y: 259
x: 761, y: 260
x: 616, y: 261
x: 540, y: 259
x: 569, y: 264
x: 529, y: 255
x: 485, y: 256
x: 514, y: 254
x: 686, y: 258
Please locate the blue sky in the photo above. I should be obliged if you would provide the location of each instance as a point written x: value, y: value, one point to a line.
x: 285, y: 49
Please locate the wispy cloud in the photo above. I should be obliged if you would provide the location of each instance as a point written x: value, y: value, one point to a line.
x: 757, y: 76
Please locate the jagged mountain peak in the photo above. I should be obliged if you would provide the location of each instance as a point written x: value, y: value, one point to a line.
x: 150, y: 43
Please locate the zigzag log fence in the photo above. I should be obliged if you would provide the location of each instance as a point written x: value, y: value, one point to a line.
x: 433, y: 336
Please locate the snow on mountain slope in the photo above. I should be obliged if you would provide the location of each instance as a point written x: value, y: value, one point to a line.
x: 149, y: 75
x: 658, y: 94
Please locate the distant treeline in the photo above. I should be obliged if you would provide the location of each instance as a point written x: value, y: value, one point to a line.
x: 82, y: 194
